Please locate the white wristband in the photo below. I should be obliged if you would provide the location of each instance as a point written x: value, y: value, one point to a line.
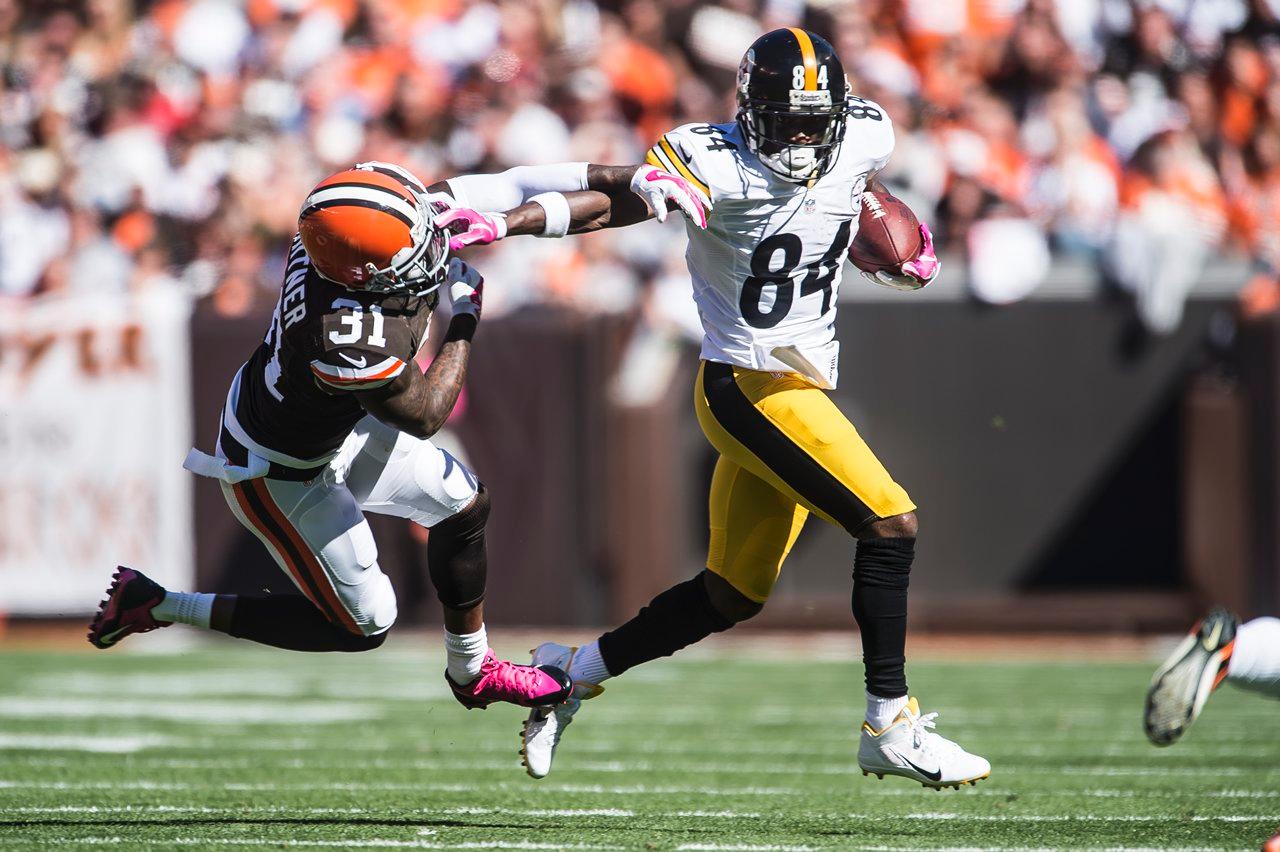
x: 555, y: 208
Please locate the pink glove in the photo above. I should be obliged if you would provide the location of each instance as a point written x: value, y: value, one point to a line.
x: 657, y: 187
x: 914, y: 274
x: 926, y: 265
x: 471, y: 227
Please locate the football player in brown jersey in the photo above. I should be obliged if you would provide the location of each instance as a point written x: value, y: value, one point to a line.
x: 330, y: 418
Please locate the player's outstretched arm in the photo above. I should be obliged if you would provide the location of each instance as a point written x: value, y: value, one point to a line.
x: 616, y: 196
x: 419, y: 403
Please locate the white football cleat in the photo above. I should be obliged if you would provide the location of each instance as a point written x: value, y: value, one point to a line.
x: 908, y: 747
x: 542, y: 730
x: 1182, y: 685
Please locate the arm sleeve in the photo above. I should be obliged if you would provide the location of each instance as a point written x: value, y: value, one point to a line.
x: 350, y: 369
x: 501, y: 192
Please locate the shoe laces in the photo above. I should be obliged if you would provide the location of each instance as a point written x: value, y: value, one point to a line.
x: 920, y: 726
x: 507, y: 676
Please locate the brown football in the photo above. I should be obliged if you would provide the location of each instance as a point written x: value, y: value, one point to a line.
x: 888, y: 233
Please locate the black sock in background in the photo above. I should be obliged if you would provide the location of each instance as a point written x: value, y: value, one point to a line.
x: 292, y: 622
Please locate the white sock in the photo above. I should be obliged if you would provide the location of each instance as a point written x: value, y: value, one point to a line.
x: 1255, y: 660
x: 192, y: 608
x: 587, y: 665
x: 465, y: 652
x: 882, y: 711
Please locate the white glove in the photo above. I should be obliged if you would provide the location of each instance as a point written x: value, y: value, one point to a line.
x: 466, y: 288
x: 657, y: 187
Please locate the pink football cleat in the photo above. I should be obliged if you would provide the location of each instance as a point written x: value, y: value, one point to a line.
x: 127, y: 609
x: 500, y: 680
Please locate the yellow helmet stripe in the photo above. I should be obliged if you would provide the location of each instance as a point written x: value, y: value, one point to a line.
x: 810, y: 58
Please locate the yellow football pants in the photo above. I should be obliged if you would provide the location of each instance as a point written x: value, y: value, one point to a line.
x: 785, y: 451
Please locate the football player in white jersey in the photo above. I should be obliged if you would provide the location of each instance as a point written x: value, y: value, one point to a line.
x: 783, y: 182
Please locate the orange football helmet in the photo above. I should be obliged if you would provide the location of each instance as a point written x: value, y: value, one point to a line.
x: 369, y: 228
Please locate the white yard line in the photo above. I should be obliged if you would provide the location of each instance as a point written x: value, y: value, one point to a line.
x: 741, y: 847
x: 346, y: 843
x: 1163, y: 818
x: 878, y: 790
x: 112, y: 744
x: 628, y: 814
x: 391, y: 812
x: 1143, y: 771
x: 194, y: 712
x: 1040, y: 848
x: 841, y: 753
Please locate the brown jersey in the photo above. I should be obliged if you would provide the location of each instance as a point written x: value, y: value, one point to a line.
x: 293, y: 401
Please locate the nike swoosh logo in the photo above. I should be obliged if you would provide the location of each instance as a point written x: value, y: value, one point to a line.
x: 361, y: 363
x: 110, y: 638
x: 1211, y: 641
x: 935, y: 775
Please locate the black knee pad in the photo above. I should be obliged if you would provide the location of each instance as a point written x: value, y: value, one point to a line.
x: 456, y: 556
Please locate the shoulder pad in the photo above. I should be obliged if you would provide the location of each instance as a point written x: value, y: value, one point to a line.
x: 869, y: 132
x: 349, y: 369
x: 694, y: 151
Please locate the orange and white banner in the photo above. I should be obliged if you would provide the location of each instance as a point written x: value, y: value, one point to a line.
x: 95, y: 417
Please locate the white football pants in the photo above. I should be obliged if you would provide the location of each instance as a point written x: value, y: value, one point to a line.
x: 317, y: 532
x: 1255, y: 660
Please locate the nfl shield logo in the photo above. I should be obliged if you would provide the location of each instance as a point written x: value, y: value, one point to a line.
x: 810, y: 205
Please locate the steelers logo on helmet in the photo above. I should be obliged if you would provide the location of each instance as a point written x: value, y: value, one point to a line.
x: 370, y: 228
x: 792, y: 103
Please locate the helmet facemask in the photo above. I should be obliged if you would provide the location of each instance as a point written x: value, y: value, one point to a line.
x: 799, y: 142
x: 419, y: 268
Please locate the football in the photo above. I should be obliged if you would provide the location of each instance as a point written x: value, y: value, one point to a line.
x: 888, y: 233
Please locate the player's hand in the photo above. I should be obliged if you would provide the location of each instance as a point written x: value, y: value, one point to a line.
x: 657, y: 187
x: 469, y: 227
x: 914, y: 274
x: 466, y: 288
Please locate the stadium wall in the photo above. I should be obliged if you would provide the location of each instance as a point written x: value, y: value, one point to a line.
x: 1062, y: 463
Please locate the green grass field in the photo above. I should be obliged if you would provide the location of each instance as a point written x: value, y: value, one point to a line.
x: 236, y: 746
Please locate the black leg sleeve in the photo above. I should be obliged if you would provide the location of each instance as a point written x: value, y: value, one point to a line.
x: 677, y: 618
x: 292, y: 622
x: 456, y: 556
x: 881, y: 570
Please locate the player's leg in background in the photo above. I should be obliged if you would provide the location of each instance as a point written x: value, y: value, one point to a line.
x: 392, y: 473
x: 1219, y: 649
x: 1255, y: 658
x: 318, y: 536
x: 753, y: 527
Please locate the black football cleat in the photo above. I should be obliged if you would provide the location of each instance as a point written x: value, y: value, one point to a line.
x: 127, y: 609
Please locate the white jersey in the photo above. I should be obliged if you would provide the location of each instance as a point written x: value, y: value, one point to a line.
x: 766, y: 271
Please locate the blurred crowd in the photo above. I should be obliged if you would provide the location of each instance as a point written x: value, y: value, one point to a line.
x: 169, y: 142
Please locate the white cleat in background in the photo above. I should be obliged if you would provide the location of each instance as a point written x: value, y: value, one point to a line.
x: 1182, y: 685
x: 542, y: 731
x: 908, y: 747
